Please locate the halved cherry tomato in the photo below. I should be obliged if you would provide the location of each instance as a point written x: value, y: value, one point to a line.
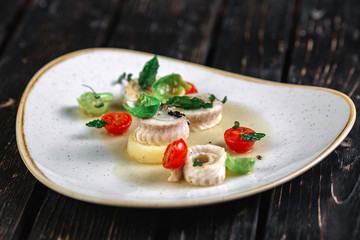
x: 119, y: 122
x: 191, y: 90
x: 175, y: 154
x: 235, y: 142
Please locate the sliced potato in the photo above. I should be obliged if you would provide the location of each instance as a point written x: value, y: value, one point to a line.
x: 143, y: 153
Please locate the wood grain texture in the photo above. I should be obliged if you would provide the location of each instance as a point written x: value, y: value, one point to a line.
x: 325, y: 200
x: 9, y: 10
x: 179, y: 29
x: 49, y: 29
x: 253, y: 38
x: 64, y: 218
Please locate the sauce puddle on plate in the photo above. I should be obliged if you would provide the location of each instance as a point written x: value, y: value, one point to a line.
x: 134, y: 172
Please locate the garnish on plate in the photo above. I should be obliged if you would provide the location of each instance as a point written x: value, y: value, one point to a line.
x: 169, y: 86
x: 239, y: 165
x: 144, y: 107
x: 212, y: 99
x: 197, y: 163
x: 241, y: 139
x: 191, y: 90
x: 186, y: 102
x: 114, y: 122
x: 148, y: 74
x: 95, y: 104
x: 123, y: 77
x: 97, y: 123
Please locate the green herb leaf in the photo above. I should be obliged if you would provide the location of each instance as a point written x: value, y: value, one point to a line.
x: 169, y: 86
x: 123, y: 77
x: 186, y: 102
x: 144, y: 107
x: 252, y: 136
x: 148, y: 74
x: 212, y: 97
x: 239, y: 165
x: 224, y: 100
x: 97, y: 123
x: 197, y: 163
x: 236, y: 125
x: 128, y: 78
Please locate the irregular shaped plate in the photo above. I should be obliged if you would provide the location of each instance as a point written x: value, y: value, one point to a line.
x: 305, y: 124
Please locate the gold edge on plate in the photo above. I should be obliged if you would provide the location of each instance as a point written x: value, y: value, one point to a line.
x: 39, y: 175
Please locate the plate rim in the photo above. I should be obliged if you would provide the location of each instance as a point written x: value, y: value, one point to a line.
x: 40, y: 176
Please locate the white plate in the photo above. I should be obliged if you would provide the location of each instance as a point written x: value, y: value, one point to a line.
x: 303, y: 125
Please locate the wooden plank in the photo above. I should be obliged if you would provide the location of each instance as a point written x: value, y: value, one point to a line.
x: 64, y: 218
x: 254, y: 38
x: 49, y: 29
x: 179, y: 29
x: 9, y: 10
x: 324, y: 202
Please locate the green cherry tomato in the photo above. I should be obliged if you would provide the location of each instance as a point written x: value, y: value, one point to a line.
x: 144, y: 107
x: 170, y: 86
x: 239, y: 165
x: 95, y: 104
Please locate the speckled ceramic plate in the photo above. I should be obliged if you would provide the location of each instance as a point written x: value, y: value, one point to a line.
x: 303, y: 125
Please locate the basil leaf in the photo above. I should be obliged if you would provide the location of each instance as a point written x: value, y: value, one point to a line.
x: 148, y: 74
x: 144, y: 107
x: 185, y: 102
x: 239, y: 165
x: 169, y: 86
x: 97, y: 123
x: 252, y: 136
x: 95, y: 104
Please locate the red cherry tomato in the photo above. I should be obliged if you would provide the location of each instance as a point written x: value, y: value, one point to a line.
x: 191, y: 90
x: 175, y: 154
x: 235, y: 142
x: 119, y: 122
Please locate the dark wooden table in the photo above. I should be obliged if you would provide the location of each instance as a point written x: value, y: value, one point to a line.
x: 312, y: 42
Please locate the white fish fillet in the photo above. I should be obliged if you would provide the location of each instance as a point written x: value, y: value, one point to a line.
x: 201, y: 119
x: 176, y: 174
x: 212, y: 171
x: 161, y: 129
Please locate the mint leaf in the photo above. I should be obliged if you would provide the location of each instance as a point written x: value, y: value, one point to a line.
x: 97, y: 123
x: 148, y: 74
x: 212, y: 98
x: 186, y: 102
x: 224, y: 100
x: 252, y: 136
